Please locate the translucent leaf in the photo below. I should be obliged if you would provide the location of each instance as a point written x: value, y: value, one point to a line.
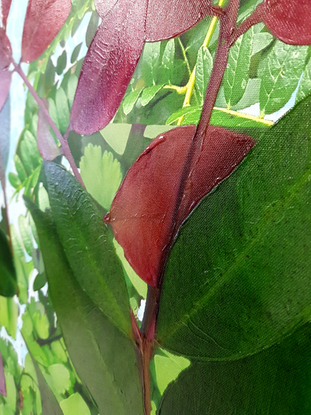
x: 46, y: 143
x: 116, y: 135
x: 101, y: 174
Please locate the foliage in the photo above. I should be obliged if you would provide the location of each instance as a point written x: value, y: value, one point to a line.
x: 210, y: 219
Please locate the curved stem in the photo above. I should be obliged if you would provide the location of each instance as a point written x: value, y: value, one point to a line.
x: 254, y: 18
x: 63, y: 140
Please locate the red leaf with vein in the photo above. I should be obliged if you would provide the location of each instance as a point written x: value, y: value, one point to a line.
x: 108, y: 66
x: 46, y: 143
x: 5, y: 50
x: 6, y: 5
x: 44, y: 19
x: 145, y: 216
x: 2, y: 378
x: 166, y: 19
x: 289, y: 20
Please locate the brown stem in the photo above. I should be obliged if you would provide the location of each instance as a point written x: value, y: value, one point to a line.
x: 63, y: 140
x: 254, y: 18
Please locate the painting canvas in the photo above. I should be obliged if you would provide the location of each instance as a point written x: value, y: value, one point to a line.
x: 155, y: 225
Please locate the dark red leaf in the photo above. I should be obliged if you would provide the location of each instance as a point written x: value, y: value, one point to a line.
x: 145, y: 216
x: 289, y: 20
x: 2, y: 378
x: 5, y: 83
x: 109, y: 66
x: 166, y: 19
x: 5, y: 50
x: 104, y: 6
x: 6, y: 5
x: 44, y: 19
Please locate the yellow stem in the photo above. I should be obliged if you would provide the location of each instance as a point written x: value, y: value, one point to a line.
x: 245, y: 116
x: 191, y: 82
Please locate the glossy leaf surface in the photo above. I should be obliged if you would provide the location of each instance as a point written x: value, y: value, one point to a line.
x: 6, y: 5
x: 8, y: 285
x: 44, y: 19
x: 108, y: 66
x: 88, y: 245
x: 145, y: 214
x: 273, y: 382
x: 103, y: 357
x: 244, y: 253
x: 289, y: 20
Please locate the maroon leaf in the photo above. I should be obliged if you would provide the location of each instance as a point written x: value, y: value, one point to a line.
x: 289, y: 21
x: 46, y: 143
x: 6, y: 5
x: 148, y: 210
x: 5, y: 50
x: 2, y: 378
x: 44, y: 19
x: 5, y: 83
x: 166, y: 19
x: 109, y: 66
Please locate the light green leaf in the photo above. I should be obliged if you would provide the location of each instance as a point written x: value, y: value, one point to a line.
x: 239, y: 272
x: 130, y: 100
x: 20, y: 168
x: 203, y: 71
x: 24, y: 230
x: 260, y: 41
x: 149, y: 63
x: 237, y: 72
x: 149, y: 93
x: 62, y: 109
x: 166, y: 70
x: 61, y: 63
x: 279, y: 74
x: 61, y: 378
x: 116, y: 135
x: 75, y: 53
x: 101, y: 174
x: 152, y: 131
x: 74, y: 405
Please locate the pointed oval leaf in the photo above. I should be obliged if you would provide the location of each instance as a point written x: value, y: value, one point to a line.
x: 44, y: 19
x: 5, y: 50
x: 108, y: 66
x: 46, y: 143
x: 289, y: 20
x: 166, y: 19
x: 143, y: 214
x: 6, y: 5
x: 8, y: 285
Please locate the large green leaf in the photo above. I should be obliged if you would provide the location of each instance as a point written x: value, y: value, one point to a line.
x: 88, y: 246
x: 238, y: 278
x: 274, y: 382
x: 104, y: 357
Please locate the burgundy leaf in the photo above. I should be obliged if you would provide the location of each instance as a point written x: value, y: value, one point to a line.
x: 104, y: 6
x: 5, y: 83
x: 6, y: 5
x: 46, y: 143
x: 148, y: 210
x: 5, y: 50
x: 166, y: 19
x: 44, y: 19
x: 2, y: 378
x: 289, y: 20
x: 109, y: 66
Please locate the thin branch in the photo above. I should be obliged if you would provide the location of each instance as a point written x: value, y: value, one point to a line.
x: 254, y: 18
x: 63, y: 140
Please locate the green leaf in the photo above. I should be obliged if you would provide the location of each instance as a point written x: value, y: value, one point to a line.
x: 304, y: 88
x: 61, y: 378
x: 116, y: 135
x: 75, y: 53
x: 88, y: 245
x: 149, y: 93
x: 14, y: 180
x: 203, y: 71
x: 61, y: 63
x: 74, y: 405
x: 250, y: 96
x: 71, y: 88
x: 30, y: 155
x: 149, y: 63
x: 62, y: 109
x: 24, y: 230
x: 20, y: 168
x: 279, y: 74
x: 8, y: 315
x: 260, y: 41
x: 237, y: 72
x: 39, y: 282
x: 130, y: 101
x: 91, y: 29
x: 166, y: 70
x: 101, y: 174
x: 239, y: 272
x: 8, y: 286
x: 103, y: 357
x: 273, y: 382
